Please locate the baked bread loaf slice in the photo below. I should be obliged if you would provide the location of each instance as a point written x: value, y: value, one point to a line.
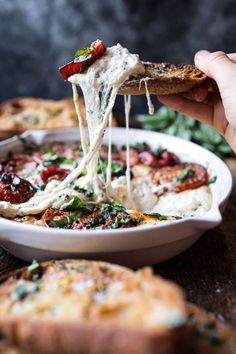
x: 77, y: 306
x: 204, y: 335
x: 24, y: 113
x: 207, y: 335
x: 164, y: 79
x: 27, y: 113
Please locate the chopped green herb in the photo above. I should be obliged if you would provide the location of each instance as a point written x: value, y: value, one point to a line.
x: 116, y: 167
x: 57, y: 160
x: 162, y: 217
x: 140, y: 146
x: 82, y: 267
x: 49, y: 151
x: 23, y: 289
x: 66, y: 221
x: 112, y: 209
x: 61, y: 266
x: 35, y: 270
x: 31, y: 119
x: 119, y: 222
x: 86, y: 192
x: 82, y: 54
x: 185, y: 173
x: 74, y: 204
x: 212, y: 180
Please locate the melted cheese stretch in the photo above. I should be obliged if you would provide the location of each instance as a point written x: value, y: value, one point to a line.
x: 100, y: 85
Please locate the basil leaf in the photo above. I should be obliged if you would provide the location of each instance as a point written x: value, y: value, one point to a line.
x: 82, y: 55
x: 162, y: 217
x: 57, y: 160
x: 185, y: 173
x: 74, y: 204
x: 82, y: 51
x: 23, y: 289
x: 212, y: 180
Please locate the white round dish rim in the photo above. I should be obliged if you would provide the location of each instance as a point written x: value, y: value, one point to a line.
x: 199, y: 224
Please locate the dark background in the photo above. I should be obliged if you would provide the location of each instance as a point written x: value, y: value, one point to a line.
x: 37, y: 36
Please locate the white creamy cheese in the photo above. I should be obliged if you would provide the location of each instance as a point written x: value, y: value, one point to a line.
x: 188, y: 203
x: 100, y: 85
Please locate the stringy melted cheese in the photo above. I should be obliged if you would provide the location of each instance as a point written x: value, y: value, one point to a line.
x: 100, y: 85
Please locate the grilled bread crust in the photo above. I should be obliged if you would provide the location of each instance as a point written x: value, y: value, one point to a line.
x: 103, y: 328
x: 164, y: 79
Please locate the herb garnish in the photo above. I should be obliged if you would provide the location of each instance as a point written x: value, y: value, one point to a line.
x: 66, y: 221
x: 162, y: 217
x: 74, y: 204
x: 116, y: 167
x: 212, y: 180
x: 184, y: 174
x: 23, y: 289
x: 82, y: 54
x: 35, y: 270
x: 86, y: 192
x: 57, y: 160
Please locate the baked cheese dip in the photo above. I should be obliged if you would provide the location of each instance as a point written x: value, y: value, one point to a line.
x: 88, y: 185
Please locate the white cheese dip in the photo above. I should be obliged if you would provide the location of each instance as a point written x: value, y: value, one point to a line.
x: 100, y: 85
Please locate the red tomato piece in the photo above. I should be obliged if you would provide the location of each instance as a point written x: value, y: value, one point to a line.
x: 54, y: 172
x: 81, y: 62
x: 14, y: 189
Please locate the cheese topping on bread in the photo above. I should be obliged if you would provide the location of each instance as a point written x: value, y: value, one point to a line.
x: 100, y: 85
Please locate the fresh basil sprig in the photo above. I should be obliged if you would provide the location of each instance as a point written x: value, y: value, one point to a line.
x: 165, y: 120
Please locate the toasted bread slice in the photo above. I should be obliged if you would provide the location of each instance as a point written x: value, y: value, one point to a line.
x: 204, y: 335
x: 207, y: 335
x: 75, y: 306
x: 164, y: 79
x: 27, y: 113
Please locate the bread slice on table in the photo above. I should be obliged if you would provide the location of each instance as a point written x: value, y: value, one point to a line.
x: 28, y: 113
x: 84, y: 307
x: 164, y: 79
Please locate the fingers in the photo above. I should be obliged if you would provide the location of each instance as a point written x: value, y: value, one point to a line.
x: 197, y: 110
x: 218, y: 66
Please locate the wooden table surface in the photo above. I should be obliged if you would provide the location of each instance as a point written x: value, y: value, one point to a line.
x: 207, y: 270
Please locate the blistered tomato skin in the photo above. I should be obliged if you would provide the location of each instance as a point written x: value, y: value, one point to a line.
x: 196, y: 177
x: 14, y: 189
x: 54, y: 172
x: 97, y: 49
x: 167, y: 158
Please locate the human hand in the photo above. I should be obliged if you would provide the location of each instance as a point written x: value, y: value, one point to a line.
x: 215, y: 107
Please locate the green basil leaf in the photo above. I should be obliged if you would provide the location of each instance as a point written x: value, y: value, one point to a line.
x: 212, y: 180
x: 82, y: 51
x: 185, y: 173
x: 74, y: 204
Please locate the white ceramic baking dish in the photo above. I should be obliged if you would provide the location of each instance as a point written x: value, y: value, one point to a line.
x: 134, y: 246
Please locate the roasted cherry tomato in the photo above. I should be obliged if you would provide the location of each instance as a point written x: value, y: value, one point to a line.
x: 181, y: 176
x: 133, y: 155
x: 114, y: 153
x: 83, y: 59
x: 20, y: 164
x: 54, y: 172
x: 14, y: 189
x: 167, y: 158
x: 53, y: 214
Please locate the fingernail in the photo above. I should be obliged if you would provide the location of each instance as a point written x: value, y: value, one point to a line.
x: 201, y: 54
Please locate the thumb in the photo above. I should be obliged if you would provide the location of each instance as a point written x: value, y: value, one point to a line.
x: 218, y: 66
